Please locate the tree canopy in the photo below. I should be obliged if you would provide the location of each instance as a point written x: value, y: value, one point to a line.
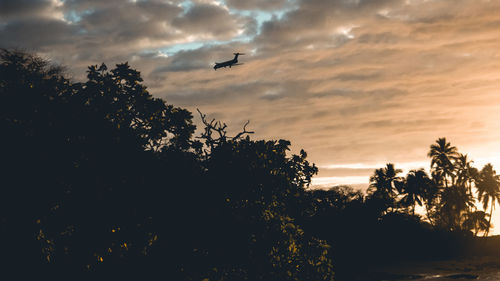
x: 102, y: 177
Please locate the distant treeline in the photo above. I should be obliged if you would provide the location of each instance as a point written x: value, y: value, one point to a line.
x: 101, y: 178
x: 382, y: 226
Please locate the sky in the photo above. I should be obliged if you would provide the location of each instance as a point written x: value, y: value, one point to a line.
x: 355, y: 83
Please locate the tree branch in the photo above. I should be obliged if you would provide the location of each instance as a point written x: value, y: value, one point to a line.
x: 219, y: 128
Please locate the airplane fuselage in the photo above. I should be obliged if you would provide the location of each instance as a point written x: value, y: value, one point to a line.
x: 227, y: 63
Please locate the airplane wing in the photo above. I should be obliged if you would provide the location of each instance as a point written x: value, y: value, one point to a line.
x: 238, y: 64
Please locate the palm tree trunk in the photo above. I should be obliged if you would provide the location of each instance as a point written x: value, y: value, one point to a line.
x: 489, y: 221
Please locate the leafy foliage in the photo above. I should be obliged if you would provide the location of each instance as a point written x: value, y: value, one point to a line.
x: 102, y: 177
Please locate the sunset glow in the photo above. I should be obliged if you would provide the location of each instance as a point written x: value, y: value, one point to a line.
x: 356, y: 84
x: 231, y: 140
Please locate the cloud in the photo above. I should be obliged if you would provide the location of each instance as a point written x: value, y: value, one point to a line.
x: 211, y: 21
x: 36, y: 33
x: 356, y: 83
x: 16, y: 9
x: 92, y: 30
x: 320, y: 22
x: 201, y: 58
x: 257, y: 4
x: 349, y: 81
x: 345, y: 172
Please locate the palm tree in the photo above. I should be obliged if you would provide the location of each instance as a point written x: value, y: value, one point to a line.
x: 466, y: 174
x: 462, y: 165
x: 442, y: 155
x: 384, y: 183
x: 488, y: 188
x: 455, y: 201
x: 476, y: 221
x: 416, y: 188
x: 473, y: 174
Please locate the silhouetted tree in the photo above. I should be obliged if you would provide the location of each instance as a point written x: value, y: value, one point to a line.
x: 465, y: 172
x: 455, y: 202
x: 417, y: 188
x: 100, y: 176
x: 121, y: 98
x: 262, y: 190
x: 442, y: 155
x: 476, y: 221
x: 384, y: 186
x: 488, y: 189
x: 77, y: 167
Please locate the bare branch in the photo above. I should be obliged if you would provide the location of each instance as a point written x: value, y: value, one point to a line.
x: 240, y: 134
x: 219, y: 128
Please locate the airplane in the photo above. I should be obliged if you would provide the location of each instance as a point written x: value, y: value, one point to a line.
x: 229, y: 62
